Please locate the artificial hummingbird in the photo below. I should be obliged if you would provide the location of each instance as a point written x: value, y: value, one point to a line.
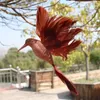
x: 56, y: 38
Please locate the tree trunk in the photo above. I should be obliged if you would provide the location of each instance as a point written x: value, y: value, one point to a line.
x: 87, y: 67
x: 87, y: 63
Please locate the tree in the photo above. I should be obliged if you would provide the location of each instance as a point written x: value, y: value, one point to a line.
x: 88, y: 15
x: 90, y: 29
x: 75, y: 58
x: 60, y: 9
x: 16, y: 12
x: 16, y: 59
x: 95, y: 57
x: 24, y: 60
x: 13, y: 11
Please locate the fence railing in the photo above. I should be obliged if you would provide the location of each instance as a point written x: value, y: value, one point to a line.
x: 13, y: 76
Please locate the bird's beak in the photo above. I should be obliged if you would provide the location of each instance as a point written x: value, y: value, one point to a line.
x: 22, y: 47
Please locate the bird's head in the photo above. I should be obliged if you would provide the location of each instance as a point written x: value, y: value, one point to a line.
x: 28, y: 42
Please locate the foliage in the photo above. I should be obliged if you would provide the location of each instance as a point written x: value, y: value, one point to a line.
x: 89, y: 20
x: 29, y: 61
x: 75, y: 58
x: 89, y: 17
x: 97, y: 43
x: 21, y: 59
x: 95, y: 57
x: 60, y: 9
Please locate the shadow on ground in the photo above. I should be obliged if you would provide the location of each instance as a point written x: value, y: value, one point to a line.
x: 66, y: 96
x: 26, y: 89
x: 40, y: 92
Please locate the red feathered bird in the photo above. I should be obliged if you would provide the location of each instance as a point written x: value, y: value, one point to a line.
x: 56, y: 38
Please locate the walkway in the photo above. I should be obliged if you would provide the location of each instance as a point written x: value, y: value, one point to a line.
x: 25, y: 94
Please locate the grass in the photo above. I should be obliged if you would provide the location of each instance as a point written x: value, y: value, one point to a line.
x: 90, y: 81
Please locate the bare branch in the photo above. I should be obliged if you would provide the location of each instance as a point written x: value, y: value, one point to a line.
x: 15, y: 2
x: 4, y: 44
x: 15, y: 14
x: 24, y: 6
x: 23, y: 17
x: 17, y: 9
x: 91, y: 18
x: 6, y: 1
x: 5, y: 11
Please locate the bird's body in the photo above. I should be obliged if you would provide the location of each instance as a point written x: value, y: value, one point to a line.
x: 56, y: 38
x: 40, y: 51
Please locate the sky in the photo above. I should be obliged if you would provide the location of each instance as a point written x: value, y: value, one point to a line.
x: 11, y: 38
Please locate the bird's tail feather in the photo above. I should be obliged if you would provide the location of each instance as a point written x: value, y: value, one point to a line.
x: 69, y: 84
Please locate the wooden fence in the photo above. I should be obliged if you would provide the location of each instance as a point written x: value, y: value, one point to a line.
x: 41, y: 79
x: 88, y: 91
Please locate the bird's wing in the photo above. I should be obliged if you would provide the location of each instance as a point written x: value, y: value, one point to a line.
x: 42, y: 18
x: 56, y: 33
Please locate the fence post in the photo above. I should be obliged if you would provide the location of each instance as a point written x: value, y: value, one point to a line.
x: 10, y: 73
x: 18, y: 77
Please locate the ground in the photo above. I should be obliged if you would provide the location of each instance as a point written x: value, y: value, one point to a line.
x: 25, y: 94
